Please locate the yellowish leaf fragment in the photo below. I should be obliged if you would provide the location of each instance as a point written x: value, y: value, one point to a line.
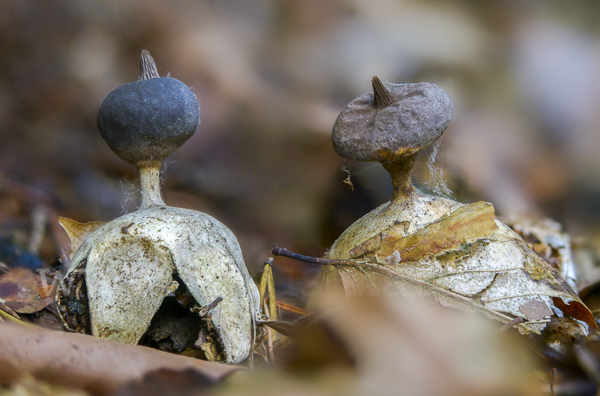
x: 368, y: 246
x: 466, y: 224
x: 77, y: 231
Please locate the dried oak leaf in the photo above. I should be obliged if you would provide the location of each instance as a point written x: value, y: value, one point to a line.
x: 548, y: 239
x: 24, y: 292
x: 166, y: 382
x: 90, y: 363
x: 460, y: 255
x: 381, y: 345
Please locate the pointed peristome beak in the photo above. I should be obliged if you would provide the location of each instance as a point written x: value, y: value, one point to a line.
x: 147, y: 67
x: 382, y: 98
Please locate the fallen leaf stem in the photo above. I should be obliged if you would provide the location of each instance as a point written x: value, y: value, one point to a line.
x: 11, y: 318
x: 6, y: 309
x: 441, y: 292
x: 514, y: 322
x: 291, y: 308
x: 270, y: 349
x: 202, y: 312
x: 496, y: 271
x: 263, y: 283
x: 518, y: 295
x: 272, y: 298
x: 279, y: 251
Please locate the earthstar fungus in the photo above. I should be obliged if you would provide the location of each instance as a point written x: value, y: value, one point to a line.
x: 392, y: 126
x: 122, y: 271
x: 421, y: 245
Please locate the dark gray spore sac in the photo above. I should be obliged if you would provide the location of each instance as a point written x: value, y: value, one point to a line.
x: 417, y: 118
x: 145, y: 121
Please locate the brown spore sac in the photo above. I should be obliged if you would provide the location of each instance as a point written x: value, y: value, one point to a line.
x: 417, y: 117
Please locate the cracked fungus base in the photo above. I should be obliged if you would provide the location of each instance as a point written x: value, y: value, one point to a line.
x: 130, y: 262
x: 495, y: 272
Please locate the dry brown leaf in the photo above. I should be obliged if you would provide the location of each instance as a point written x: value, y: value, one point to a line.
x: 548, y: 239
x: 29, y: 386
x: 459, y: 254
x: 166, y: 382
x: 24, y: 292
x: 85, y: 362
x: 389, y: 346
x: 423, y: 349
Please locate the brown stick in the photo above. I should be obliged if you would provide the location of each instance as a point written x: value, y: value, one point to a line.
x: 291, y: 308
x: 269, y: 336
x: 279, y: 251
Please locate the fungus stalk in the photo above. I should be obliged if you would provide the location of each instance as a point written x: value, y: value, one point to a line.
x: 150, y: 172
x: 400, y: 170
x: 145, y: 121
x: 150, y: 184
x: 398, y: 164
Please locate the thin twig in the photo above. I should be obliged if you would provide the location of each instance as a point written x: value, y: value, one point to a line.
x: 272, y: 298
x: 269, y: 337
x: 6, y: 315
x: 433, y: 289
x: 514, y: 322
x: 279, y: 251
x: 552, y: 380
x: 5, y: 308
x: 10, y: 318
x: 202, y: 312
x: 587, y: 361
x: 291, y: 308
x: 263, y: 280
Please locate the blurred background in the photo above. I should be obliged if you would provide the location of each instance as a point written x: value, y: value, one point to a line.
x: 271, y: 77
